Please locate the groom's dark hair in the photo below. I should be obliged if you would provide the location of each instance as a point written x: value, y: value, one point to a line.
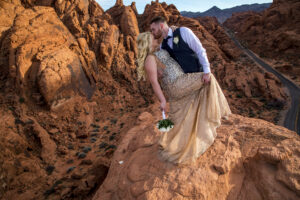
x: 158, y: 19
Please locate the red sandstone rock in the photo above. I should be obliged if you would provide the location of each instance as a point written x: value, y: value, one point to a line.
x: 234, y: 70
x: 128, y: 23
x: 273, y: 34
x: 55, y: 66
x: 242, y: 163
x: 38, y: 47
x: 125, y: 17
x: 227, y: 46
x: 133, y: 7
x: 38, y: 43
x: 8, y: 10
x: 48, y: 145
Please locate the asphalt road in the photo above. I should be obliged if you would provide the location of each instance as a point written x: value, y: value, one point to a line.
x: 292, y: 118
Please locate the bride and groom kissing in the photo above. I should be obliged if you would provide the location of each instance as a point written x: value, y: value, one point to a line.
x: 179, y: 72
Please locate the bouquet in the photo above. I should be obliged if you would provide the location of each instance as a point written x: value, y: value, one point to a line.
x: 164, y: 125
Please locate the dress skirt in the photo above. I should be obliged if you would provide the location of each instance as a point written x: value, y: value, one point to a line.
x: 196, y: 110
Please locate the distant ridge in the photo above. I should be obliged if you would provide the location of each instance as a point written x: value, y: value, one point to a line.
x: 222, y: 15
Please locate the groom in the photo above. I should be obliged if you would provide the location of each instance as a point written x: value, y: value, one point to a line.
x: 182, y: 45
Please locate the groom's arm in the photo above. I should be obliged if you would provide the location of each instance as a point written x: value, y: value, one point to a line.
x: 194, y: 43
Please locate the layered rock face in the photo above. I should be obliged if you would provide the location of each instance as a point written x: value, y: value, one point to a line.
x: 88, y: 37
x: 125, y: 18
x: 46, y: 58
x: 8, y: 10
x: 250, y: 159
x: 243, y: 82
x: 68, y: 92
x: 273, y: 34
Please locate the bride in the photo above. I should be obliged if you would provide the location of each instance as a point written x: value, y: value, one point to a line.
x: 195, y: 108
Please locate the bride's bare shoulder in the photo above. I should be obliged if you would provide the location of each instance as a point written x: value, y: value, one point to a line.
x: 154, y: 61
x: 150, y: 60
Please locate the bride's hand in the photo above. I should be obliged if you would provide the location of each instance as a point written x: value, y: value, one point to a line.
x: 163, y: 105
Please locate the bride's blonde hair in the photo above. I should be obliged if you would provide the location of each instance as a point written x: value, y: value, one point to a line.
x: 144, y: 41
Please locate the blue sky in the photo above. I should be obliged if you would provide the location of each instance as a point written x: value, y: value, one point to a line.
x: 187, y: 5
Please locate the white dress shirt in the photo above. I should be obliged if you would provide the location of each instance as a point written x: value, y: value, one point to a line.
x: 194, y: 43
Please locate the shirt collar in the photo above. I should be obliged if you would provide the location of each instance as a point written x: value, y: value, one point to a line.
x: 170, y: 33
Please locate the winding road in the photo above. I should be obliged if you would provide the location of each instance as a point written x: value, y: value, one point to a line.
x: 292, y: 118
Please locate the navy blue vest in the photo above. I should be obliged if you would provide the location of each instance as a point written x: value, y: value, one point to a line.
x: 183, y: 54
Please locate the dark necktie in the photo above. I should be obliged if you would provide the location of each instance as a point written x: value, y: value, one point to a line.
x: 168, y: 37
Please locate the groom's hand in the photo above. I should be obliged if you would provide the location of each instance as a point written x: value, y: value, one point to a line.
x: 206, y: 78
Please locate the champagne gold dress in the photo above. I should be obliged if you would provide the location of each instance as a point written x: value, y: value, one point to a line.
x: 195, y: 108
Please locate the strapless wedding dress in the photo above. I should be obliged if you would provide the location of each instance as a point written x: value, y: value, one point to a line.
x: 195, y: 108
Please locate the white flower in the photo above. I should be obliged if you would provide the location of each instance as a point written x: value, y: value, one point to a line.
x: 176, y: 40
x: 121, y: 162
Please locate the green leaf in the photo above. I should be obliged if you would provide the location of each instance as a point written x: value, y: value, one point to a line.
x: 165, y: 123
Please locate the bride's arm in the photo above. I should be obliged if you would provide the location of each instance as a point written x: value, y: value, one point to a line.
x: 151, y: 71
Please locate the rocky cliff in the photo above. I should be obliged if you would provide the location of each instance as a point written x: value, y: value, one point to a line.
x: 243, y: 82
x: 68, y: 91
x: 272, y: 34
x: 250, y: 159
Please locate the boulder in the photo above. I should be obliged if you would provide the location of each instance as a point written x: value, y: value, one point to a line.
x: 249, y: 159
x: 57, y: 67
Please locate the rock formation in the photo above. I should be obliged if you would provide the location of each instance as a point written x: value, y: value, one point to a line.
x: 250, y: 159
x: 242, y: 81
x: 68, y: 91
x: 8, y: 10
x: 273, y: 34
x: 56, y: 67
x: 125, y: 17
x: 68, y: 94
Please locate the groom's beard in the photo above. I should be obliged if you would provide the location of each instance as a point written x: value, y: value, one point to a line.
x: 158, y: 35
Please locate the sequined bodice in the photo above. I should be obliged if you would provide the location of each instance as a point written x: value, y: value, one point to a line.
x: 172, y: 70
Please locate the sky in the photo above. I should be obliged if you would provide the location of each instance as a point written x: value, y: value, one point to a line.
x: 185, y: 5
